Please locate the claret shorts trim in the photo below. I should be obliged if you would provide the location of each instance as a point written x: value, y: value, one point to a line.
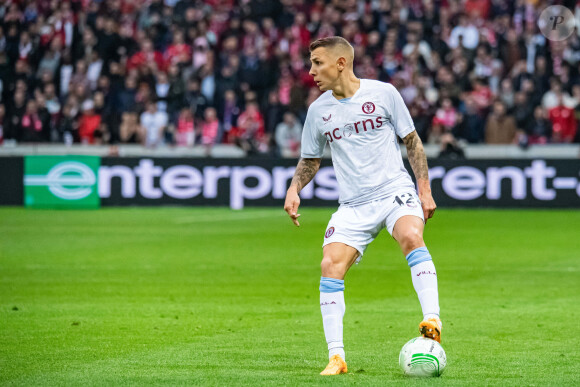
x: 358, y: 226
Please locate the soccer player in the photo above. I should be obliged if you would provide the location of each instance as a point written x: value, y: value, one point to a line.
x: 360, y: 119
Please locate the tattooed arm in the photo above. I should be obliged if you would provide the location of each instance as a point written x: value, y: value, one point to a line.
x: 305, y: 171
x: 418, y: 161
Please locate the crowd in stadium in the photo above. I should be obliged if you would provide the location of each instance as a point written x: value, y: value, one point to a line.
x: 196, y: 73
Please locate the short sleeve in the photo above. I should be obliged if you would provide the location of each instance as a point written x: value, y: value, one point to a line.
x: 313, y: 142
x: 401, y: 117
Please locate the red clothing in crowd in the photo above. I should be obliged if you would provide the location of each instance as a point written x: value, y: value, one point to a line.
x: 32, y: 122
x: 563, y: 124
x: 142, y: 58
x: 178, y: 53
x: 32, y: 129
x: 301, y: 34
x: 209, y: 132
x: 185, y: 131
x: 87, y: 126
x: 482, y: 97
x: 251, y: 124
x: 185, y: 125
x: 478, y: 8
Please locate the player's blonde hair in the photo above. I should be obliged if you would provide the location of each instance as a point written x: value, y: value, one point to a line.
x: 335, y: 42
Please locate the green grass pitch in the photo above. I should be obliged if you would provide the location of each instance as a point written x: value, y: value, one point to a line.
x: 189, y: 296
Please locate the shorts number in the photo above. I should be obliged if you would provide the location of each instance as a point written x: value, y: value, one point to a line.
x: 407, y: 199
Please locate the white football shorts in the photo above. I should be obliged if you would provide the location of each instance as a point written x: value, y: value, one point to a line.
x: 358, y: 226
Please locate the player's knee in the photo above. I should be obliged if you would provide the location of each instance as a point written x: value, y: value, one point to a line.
x: 411, y: 239
x: 326, y: 265
x: 331, y: 267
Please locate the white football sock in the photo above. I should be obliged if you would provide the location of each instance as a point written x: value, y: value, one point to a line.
x: 332, y: 308
x: 425, y: 284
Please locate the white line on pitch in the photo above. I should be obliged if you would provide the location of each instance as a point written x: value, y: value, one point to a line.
x: 226, y: 217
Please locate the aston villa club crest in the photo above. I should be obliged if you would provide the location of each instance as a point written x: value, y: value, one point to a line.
x: 329, y: 232
x: 368, y: 107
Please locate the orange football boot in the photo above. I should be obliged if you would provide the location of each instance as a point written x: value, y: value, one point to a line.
x: 335, y: 366
x: 431, y: 329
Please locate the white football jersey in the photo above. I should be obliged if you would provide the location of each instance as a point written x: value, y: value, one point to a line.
x: 362, y: 133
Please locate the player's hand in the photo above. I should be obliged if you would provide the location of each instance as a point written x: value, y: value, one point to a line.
x: 291, y: 205
x: 428, y: 205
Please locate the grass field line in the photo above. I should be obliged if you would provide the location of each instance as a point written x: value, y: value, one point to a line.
x: 228, y: 217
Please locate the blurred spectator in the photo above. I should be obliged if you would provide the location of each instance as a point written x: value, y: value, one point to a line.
x: 69, y: 126
x: 251, y: 69
x: 563, y: 122
x: 506, y: 93
x: 26, y: 48
x: 147, y: 56
x: 94, y: 69
x: 101, y: 135
x: 556, y: 96
x: 229, y: 113
x: 16, y: 111
x: 523, y: 110
x: 414, y: 44
x: 207, y: 54
x: 446, y: 115
x: 52, y: 109
x: 185, y: 135
x: 201, y: 48
x: 176, y: 92
x: 539, y: 128
x: 288, y: 136
x: 154, y: 124
x: 51, y: 59
x: 127, y: 45
x: 52, y: 101
x: 162, y: 91
x: 32, y: 128
x: 470, y: 126
x: 127, y: 96
x: 482, y: 95
x: 178, y: 52
x: 421, y: 120
x: 250, y: 131
x: 130, y: 130
x: 274, y: 112
x: 500, y: 128
x: 449, y: 148
x: 66, y: 72
x: 89, y: 123
x: 465, y: 34
x: 209, y: 130
x: 194, y: 99
x: 108, y: 42
x: 444, y: 120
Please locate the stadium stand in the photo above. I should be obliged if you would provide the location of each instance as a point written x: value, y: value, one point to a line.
x: 210, y: 75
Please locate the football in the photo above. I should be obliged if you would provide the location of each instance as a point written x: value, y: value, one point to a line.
x: 422, y: 357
